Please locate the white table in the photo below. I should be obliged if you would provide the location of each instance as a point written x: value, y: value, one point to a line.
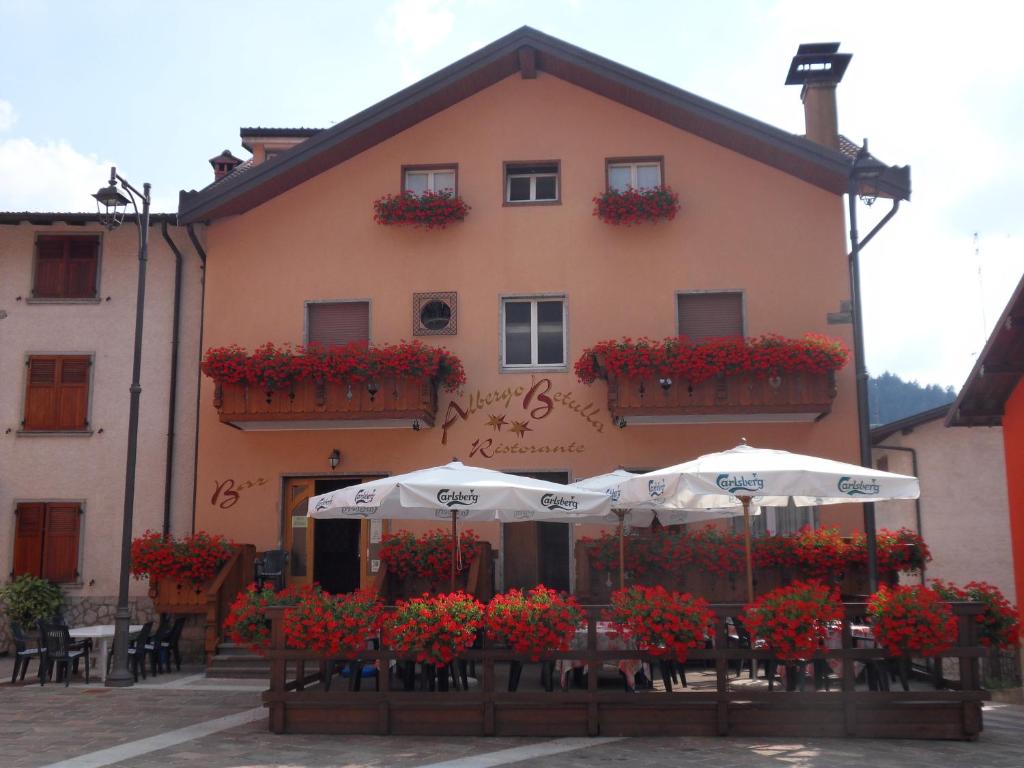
x: 103, y: 633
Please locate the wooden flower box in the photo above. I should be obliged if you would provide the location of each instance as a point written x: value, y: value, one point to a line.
x: 386, y: 403
x: 741, y: 397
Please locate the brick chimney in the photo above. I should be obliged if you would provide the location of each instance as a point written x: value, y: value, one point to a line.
x: 819, y: 67
x: 223, y: 164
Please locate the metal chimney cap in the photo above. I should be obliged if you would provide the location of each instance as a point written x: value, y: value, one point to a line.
x: 818, y: 62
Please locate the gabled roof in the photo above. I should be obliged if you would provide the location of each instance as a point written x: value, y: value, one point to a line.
x: 999, y: 369
x: 526, y: 50
x: 48, y: 218
x: 907, y: 423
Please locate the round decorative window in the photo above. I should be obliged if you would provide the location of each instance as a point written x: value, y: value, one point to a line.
x: 435, y: 315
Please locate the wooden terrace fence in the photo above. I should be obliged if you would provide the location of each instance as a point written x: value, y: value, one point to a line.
x: 301, y: 705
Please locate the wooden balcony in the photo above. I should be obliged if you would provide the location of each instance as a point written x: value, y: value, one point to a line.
x: 391, y: 404
x: 743, y: 397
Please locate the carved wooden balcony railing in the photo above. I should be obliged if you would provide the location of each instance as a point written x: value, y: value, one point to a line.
x: 740, y: 397
x: 382, y: 404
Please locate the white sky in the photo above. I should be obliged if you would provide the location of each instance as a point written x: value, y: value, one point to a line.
x: 160, y: 87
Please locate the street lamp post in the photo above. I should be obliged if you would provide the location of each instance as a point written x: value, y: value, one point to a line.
x: 864, y: 172
x: 111, y: 206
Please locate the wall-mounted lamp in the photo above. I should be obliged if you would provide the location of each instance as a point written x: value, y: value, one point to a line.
x: 415, y: 425
x: 666, y: 383
x: 334, y: 459
x: 620, y: 422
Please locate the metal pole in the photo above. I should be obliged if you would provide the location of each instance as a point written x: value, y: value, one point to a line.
x: 120, y: 676
x: 746, y: 546
x: 455, y: 548
x: 860, y: 366
x: 622, y: 547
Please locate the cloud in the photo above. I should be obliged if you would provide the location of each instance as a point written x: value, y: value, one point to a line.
x: 7, y: 116
x: 50, y: 176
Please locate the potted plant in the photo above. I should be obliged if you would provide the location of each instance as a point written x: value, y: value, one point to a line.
x: 794, y: 621
x: 188, y: 562
x: 429, y: 209
x: 633, y: 206
x: 28, y: 599
x: 661, y: 623
x: 247, y: 623
x: 425, y: 561
x: 909, y: 621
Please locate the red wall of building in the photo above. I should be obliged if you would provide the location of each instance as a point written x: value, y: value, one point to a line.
x: 1013, y: 440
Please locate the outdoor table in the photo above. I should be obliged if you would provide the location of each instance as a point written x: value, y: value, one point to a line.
x: 607, y: 640
x: 104, y: 633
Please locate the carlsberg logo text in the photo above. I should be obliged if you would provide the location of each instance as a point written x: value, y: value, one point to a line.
x: 452, y: 498
x: 739, y: 483
x: 553, y: 501
x: 365, y: 497
x: 655, y: 488
x: 857, y: 487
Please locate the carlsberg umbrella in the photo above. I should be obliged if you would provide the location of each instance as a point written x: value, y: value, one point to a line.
x: 458, y: 492
x: 745, y: 475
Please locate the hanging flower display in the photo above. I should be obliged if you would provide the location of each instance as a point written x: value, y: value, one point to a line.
x: 633, y: 206
x: 428, y: 556
x: 430, y: 210
x: 275, y: 368
x: 999, y: 624
x: 435, y: 629
x: 194, y: 559
x: 332, y: 624
x: 678, y: 357
x: 660, y: 622
x: 795, y: 620
x: 902, y: 550
x: 533, y: 623
x: 247, y: 623
x: 912, y: 621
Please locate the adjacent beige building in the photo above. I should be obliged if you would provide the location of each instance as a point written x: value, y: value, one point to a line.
x: 963, y: 512
x: 67, y: 323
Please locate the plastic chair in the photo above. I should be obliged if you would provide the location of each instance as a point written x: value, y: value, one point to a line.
x: 270, y: 567
x: 23, y: 654
x: 59, y: 652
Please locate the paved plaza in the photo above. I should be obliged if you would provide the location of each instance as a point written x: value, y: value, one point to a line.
x: 184, y: 719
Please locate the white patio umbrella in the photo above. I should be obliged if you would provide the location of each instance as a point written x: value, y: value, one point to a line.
x: 458, y: 492
x: 640, y: 512
x: 746, y: 475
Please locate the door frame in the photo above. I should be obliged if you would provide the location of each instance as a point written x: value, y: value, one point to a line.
x: 284, y: 530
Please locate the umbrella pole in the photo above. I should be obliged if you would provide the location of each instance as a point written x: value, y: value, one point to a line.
x: 622, y: 547
x: 746, y: 547
x: 455, y: 548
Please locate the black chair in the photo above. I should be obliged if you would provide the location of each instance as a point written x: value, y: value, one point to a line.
x: 169, y: 645
x: 153, y: 647
x: 23, y: 654
x: 742, y: 640
x: 270, y: 567
x: 60, y: 653
x: 137, y: 651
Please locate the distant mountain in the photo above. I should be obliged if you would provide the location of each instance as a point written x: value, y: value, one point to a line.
x: 892, y: 398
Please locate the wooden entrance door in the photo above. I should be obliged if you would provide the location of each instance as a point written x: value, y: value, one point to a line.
x: 298, y: 530
x: 537, y: 553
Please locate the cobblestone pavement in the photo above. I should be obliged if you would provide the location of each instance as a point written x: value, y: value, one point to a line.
x: 40, y: 726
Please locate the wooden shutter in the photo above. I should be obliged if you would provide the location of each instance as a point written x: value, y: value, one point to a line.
x: 338, y: 323
x: 80, y: 271
x: 73, y: 393
x: 41, y: 393
x: 49, y: 276
x: 60, y: 545
x: 57, y: 395
x: 710, y: 315
x: 28, y: 539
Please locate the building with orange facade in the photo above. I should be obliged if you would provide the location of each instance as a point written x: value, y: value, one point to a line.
x: 526, y: 132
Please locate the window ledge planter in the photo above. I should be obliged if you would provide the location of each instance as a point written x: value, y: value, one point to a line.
x: 769, y: 378
x: 429, y: 210
x: 634, y: 206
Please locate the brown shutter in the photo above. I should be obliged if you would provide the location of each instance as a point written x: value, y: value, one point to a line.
x: 49, y: 277
x: 41, y: 393
x: 28, y: 539
x: 73, y: 393
x: 710, y: 315
x: 339, y: 323
x: 83, y: 256
x: 60, y: 547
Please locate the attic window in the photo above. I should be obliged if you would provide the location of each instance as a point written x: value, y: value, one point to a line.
x: 531, y: 183
x: 634, y: 173
x: 430, y: 178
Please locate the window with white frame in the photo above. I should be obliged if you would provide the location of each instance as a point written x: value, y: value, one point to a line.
x: 531, y: 182
x: 779, y: 521
x: 420, y: 180
x: 638, y: 174
x: 533, y: 332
